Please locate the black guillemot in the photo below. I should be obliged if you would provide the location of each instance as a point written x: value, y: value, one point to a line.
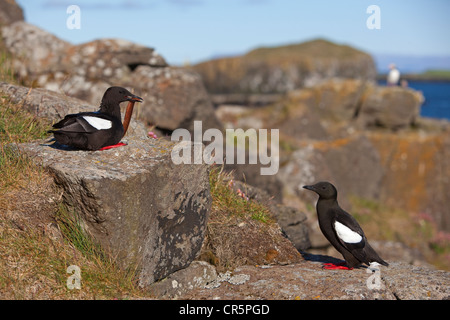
x: 342, y: 230
x: 98, y: 130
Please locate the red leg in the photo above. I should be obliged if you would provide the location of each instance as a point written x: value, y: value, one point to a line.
x: 337, y: 266
x: 113, y: 146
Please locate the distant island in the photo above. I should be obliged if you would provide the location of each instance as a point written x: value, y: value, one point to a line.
x: 429, y: 75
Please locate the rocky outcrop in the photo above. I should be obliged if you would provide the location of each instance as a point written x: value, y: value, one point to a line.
x: 357, y: 103
x: 140, y: 207
x: 291, y: 220
x: 173, y: 97
x: 35, y: 51
x: 368, y: 140
x: 44, y: 103
x: 10, y: 12
x: 308, y: 281
x: 334, y: 108
x: 282, y: 69
x: 416, y: 172
x: 389, y: 107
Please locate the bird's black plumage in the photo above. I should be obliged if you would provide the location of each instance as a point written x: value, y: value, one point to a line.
x: 95, y: 130
x: 341, y: 229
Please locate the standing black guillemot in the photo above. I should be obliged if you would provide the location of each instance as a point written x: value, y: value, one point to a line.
x: 342, y: 230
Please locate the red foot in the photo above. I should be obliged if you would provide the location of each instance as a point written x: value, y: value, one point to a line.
x: 113, y: 146
x: 338, y: 266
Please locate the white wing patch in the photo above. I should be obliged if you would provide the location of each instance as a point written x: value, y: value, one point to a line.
x: 98, y: 123
x: 346, y: 234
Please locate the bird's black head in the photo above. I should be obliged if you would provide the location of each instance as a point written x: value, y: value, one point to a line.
x: 324, y: 189
x: 118, y: 95
x: 113, y: 97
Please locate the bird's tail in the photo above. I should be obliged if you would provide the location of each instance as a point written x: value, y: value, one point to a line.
x: 372, y: 256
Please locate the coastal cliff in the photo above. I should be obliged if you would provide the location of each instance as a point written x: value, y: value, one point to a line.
x: 197, y: 231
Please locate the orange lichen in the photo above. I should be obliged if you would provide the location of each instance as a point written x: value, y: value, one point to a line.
x: 326, y: 145
x: 410, y: 162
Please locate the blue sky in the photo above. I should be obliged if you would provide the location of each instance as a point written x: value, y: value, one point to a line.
x: 195, y: 30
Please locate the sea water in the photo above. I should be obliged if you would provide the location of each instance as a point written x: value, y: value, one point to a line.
x: 437, y: 97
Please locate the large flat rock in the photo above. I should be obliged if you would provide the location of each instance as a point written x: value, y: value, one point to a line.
x: 134, y: 201
x: 308, y: 281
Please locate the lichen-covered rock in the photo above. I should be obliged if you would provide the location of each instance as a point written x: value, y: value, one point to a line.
x: 285, y: 68
x: 389, y: 107
x: 109, y: 59
x: 35, y: 51
x: 173, y: 98
x: 197, y: 275
x: 137, y: 204
x: 352, y: 163
x: 308, y: 281
x: 291, y: 220
x: 43, y: 103
x: 416, y: 172
x: 337, y: 99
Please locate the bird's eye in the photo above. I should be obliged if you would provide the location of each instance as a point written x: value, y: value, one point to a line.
x: 323, y: 188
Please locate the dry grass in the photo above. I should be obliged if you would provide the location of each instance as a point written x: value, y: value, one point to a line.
x: 39, y: 236
x: 240, y: 230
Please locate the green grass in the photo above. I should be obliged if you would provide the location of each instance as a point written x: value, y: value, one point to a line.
x: 237, y: 226
x: 319, y: 48
x: 18, y: 125
x: 69, y: 222
x: 228, y: 202
x: 33, y: 264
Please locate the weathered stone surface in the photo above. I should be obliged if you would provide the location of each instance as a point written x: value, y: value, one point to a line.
x: 35, y: 50
x: 109, y: 59
x: 352, y: 163
x: 135, y: 202
x: 389, y: 107
x: 337, y: 107
x: 292, y: 222
x: 281, y: 69
x: 10, y: 12
x: 173, y: 98
x: 338, y: 99
x: 197, y: 275
x: 308, y: 281
x: 44, y: 103
x: 416, y: 172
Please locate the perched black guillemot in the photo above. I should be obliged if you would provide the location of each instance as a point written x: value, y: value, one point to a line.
x: 98, y: 130
x: 342, y: 230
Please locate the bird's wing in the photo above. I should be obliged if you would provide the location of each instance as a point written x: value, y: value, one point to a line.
x: 348, y: 231
x: 83, y: 123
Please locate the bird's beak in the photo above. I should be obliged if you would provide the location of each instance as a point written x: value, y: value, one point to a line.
x: 309, y: 188
x: 134, y: 98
